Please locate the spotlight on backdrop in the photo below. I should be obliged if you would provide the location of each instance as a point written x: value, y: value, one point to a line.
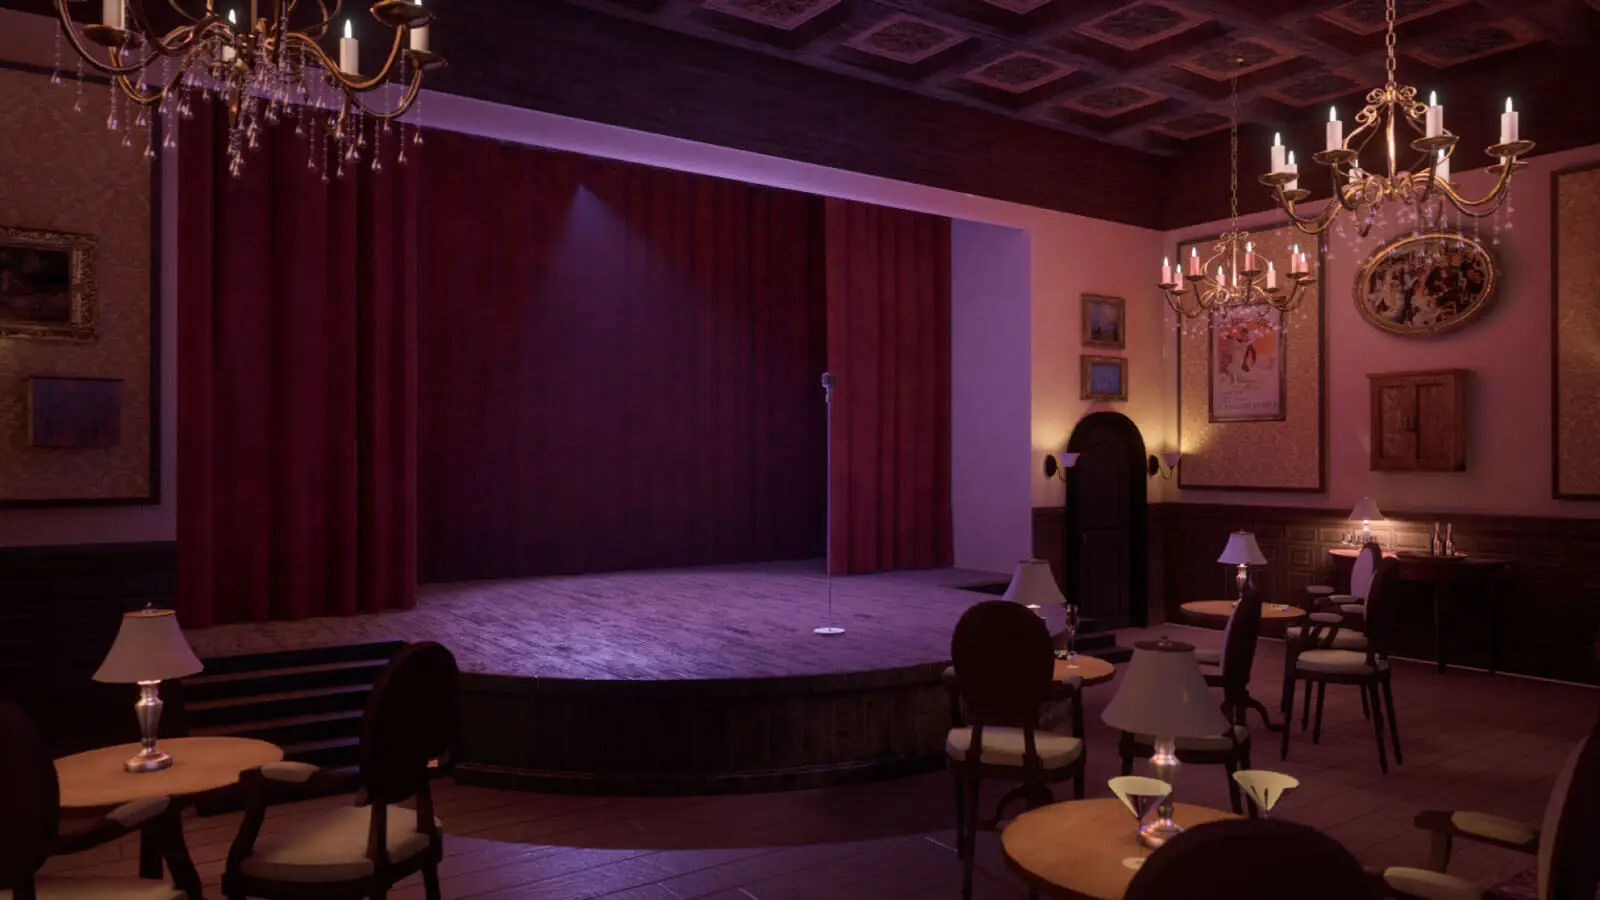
x: 827, y: 555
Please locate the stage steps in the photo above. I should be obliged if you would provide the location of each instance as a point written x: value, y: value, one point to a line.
x: 309, y: 702
x: 1092, y: 641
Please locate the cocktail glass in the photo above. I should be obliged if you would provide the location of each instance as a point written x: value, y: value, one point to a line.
x: 1265, y: 788
x: 1139, y: 795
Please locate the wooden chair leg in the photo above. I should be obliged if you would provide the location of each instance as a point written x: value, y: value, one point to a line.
x: 1394, y: 724
x: 1316, y: 727
x: 1366, y: 710
x: 1234, y: 800
x: 1127, y: 764
x: 1288, y: 716
x: 1077, y: 783
x: 1305, y: 714
x: 1377, y: 727
x: 430, y: 883
x: 961, y: 814
x: 971, y: 849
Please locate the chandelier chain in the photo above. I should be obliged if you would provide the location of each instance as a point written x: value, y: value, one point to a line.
x: 1233, y: 153
x: 1389, y: 40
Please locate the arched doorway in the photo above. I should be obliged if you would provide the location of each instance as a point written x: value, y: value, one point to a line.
x: 1107, y: 522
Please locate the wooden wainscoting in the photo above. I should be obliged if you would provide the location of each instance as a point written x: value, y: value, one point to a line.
x: 1550, y: 608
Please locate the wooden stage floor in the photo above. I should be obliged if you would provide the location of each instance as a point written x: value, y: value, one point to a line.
x: 746, y: 621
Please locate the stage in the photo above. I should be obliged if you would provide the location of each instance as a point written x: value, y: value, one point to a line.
x: 679, y: 680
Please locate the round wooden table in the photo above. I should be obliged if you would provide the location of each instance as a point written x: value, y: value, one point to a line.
x: 1075, y: 850
x: 1222, y: 609
x: 1091, y: 669
x: 95, y: 781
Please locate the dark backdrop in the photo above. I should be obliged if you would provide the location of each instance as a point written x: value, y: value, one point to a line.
x: 618, y: 366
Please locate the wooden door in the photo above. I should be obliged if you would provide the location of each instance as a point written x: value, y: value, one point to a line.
x: 1106, y: 521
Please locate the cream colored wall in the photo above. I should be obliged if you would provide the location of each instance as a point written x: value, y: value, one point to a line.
x: 1508, y: 403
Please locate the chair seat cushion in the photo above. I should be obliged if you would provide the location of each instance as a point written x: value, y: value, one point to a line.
x: 1241, y: 737
x: 1353, y: 609
x: 101, y: 888
x: 1343, y: 639
x: 1004, y: 747
x: 1341, y: 599
x: 1319, y: 590
x: 1337, y: 662
x: 333, y: 847
x: 1429, y: 885
x: 1493, y: 827
x: 1208, y: 657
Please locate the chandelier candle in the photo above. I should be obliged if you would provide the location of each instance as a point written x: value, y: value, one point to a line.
x: 419, y: 37
x: 1166, y: 271
x: 112, y: 14
x: 1441, y: 169
x: 228, y: 53
x: 1508, y: 124
x: 1194, y: 262
x: 1293, y: 171
x: 1433, y: 120
x: 1278, y: 150
x: 1272, y: 277
x: 349, y: 51
x: 1335, y: 129
x: 1250, y: 257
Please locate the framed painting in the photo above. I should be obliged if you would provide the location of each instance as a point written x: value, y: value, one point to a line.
x: 1426, y: 284
x: 1104, y: 377
x: 1247, y: 372
x: 48, y: 285
x: 74, y: 413
x: 1105, y: 322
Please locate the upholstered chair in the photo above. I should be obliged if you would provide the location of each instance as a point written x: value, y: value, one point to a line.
x: 1005, y: 663
x: 1254, y: 859
x: 31, y: 828
x: 408, y: 733
x: 1566, y: 845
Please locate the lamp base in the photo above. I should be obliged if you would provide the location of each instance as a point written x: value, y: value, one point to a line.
x: 1158, y: 832
x: 148, y: 760
x: 827, y: 629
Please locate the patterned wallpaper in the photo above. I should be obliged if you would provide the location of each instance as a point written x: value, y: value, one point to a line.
x: 1285, y: 455
x: 64, y: 172
x: 1577, y: 334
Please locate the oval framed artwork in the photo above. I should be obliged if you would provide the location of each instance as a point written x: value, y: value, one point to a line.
x: 1426, y: 284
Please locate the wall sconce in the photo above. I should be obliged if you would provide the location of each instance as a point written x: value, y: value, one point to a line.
x: 1164, y: 464
x: 1057, y: 464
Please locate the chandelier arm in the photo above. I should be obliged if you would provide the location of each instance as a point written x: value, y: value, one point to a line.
x: 320, y: 30
x: 105, y: 68
x: 346, y: 82
x: 1484, y: 206
x: 177, y: 7
x: 159, y: 43
x: 405, y: 102
x: 1309, y: 224
x: 132, y: 92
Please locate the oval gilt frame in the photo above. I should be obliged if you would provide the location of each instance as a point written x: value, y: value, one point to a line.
x: 1389, y: 255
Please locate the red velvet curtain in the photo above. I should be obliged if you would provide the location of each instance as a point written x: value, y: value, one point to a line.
x: 297, y: 382
x: 888, y: 284
x: 620, y: 366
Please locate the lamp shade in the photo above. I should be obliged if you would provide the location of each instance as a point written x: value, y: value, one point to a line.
x: 149, y: 647
x: 1164, y: 694
x: 1242, y: 550
x: 1365, y: 511
x: 1034, y: 585
x: 1068, y: 460
x: 1170, y: 459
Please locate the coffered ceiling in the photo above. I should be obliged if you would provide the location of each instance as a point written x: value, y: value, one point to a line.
x: 1149, y: 74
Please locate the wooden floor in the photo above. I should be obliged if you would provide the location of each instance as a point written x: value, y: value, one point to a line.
x: 1471, y: 741
x: 745, y: 621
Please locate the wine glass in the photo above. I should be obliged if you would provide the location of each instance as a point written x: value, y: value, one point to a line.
x: 1071, y: 631
x: 1265, y: 788
x: 1139, y: 795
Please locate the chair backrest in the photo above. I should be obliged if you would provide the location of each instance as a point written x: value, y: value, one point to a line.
x: 411, y: 720
x: 1004, y: 661
x: 31, y: 812
x: 1381, y: 599
x: 1366, y: 566
x: 1254, y: 859
x: 1239, y: 639
x: 1569, y: 867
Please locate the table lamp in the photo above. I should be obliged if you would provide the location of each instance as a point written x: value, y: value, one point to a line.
x: 1366, y: 512
x: 1034, y: 586
x: 1163, y: 694
x: 149, y: 647
x: 1244, y: 552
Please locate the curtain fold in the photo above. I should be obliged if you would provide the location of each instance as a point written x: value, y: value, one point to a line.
x: 297, y: 382
x: 888, y: 286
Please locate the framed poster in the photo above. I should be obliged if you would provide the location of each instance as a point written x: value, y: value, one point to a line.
x: 1249, y: 349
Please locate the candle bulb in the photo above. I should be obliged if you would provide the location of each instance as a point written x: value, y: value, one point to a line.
x: 1222, y: 280
x: 111, y: 13
x: 419, y: 37
x: 1434, y: 117
x: 1335, y: 129
x: 1294, y: 260
x: 1277, y: 152
x: 1272, y: 277
x: 1508, y: 124
x: 1292, y: 169
x: 1194, y: 262
x: 1249, y: 257
x: 1441, y: 169
x: 1166, y: 270
x: 349, y: 51
x: 228, y: 52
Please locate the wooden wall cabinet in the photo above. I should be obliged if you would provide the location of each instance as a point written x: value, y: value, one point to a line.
x: 1419, y: 421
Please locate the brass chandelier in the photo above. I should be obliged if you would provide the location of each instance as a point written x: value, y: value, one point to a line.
x: 1234, y: 275
x: 1391, y: 109
x: 265, y: 69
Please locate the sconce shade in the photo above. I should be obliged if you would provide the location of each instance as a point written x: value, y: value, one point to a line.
x: 1034, y: 584
x: 1242, y: 550
x: 149, y: 647
x: 1068, y: 460
x: 1170, y: 459
x: 1164, y: 694
x: 1365, y: 511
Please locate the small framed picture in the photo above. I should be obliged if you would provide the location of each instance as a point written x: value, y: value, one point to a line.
x: 1105, y: 322
x: 1104, y: 378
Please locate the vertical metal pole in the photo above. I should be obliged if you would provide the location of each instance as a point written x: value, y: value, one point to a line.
x: 827, y: 553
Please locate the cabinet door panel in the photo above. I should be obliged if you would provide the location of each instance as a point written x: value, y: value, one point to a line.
x: 1396, y: 437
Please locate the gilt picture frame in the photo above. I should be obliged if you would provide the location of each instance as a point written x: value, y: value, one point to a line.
x: 1105, y: 322
x: 48, y: 286
x: 1426, y: 284
x: 1104, y: 377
